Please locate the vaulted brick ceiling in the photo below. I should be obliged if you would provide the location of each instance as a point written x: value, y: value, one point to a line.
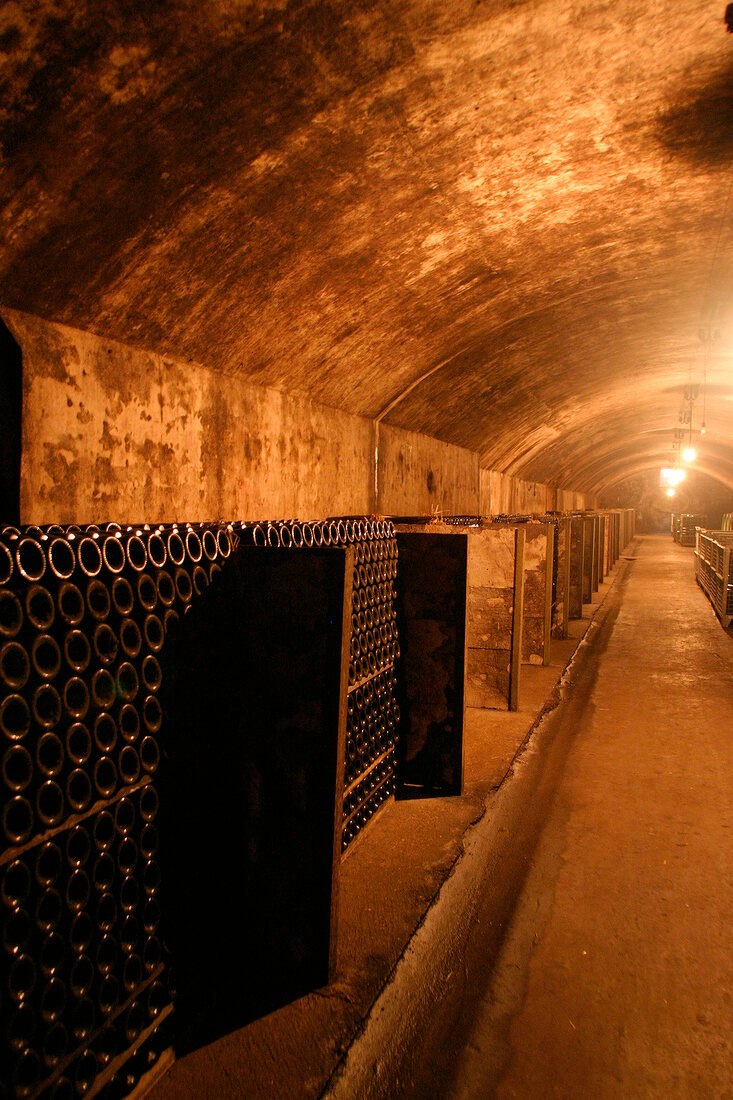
x: 501, y: 223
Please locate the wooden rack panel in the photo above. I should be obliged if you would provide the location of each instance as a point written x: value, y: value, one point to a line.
x: 254, y: 801
x: 431, y: 610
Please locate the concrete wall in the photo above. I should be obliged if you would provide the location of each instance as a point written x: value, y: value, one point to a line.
x: 490, y: 599
x: 535, y: 593
x: 569, y: 501
x: 495, y: 493
x: 111, y: 432
x: 502, y: 494
x: 530, y: 496
x: 419, y: 475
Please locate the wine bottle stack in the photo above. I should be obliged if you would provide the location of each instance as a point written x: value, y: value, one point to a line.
x: 372, y: 711
x: 86, y: 619
x: 462, y: 521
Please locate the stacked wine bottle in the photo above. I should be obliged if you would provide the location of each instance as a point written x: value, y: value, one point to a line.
x: 372, y: 711
x: 462, y: 521
x: 86, y: 615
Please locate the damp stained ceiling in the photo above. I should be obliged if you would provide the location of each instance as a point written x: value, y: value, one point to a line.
x: 505, y: 224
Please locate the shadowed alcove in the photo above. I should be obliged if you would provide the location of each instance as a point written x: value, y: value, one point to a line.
x: 11, y: 399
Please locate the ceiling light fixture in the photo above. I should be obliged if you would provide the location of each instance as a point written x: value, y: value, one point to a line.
x: 670, y: 476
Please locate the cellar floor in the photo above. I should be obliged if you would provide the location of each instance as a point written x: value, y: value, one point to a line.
x: 389, y: 879
x: 593, y: 958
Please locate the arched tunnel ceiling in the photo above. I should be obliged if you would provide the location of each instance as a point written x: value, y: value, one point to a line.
x: 501, y: 223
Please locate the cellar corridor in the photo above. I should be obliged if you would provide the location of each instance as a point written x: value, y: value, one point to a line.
x: 579, y: 947
x: 616, y: 978
x: 366, y: 411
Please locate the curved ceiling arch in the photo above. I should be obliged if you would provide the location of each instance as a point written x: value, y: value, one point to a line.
x: 620, y: 471
x: 714, y: 473
x: 587, y: 452
x: 502, y: 224
x: 596, y: 473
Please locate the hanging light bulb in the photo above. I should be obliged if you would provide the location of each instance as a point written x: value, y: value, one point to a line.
x: 689, y: 454
x: 671, y: 475
x: 703, y: 429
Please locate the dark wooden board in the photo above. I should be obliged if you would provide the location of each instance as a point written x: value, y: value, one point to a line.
x: 520, y: 543
x: 561, y: 608
x: 255, y: 787
x: 493, y: 631
x: 431, y: 609
x: 575, y: 610
x: 11, y: 419
x: 596, y: 551
x: 588, y: 542
x: 605, y: 524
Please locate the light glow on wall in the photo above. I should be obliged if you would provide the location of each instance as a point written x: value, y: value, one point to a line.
x: 671, y: 476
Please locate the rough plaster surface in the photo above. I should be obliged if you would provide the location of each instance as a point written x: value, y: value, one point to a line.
x: 535, y: 585
x: 419, y: 475
x: 502, y: 494
x: 110, y: 431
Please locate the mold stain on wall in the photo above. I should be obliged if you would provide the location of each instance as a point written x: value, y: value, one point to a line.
x: 111, y: 432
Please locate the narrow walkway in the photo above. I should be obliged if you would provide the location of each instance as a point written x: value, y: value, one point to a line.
x: 615, y: 979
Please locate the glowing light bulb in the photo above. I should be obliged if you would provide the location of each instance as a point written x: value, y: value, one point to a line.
x: 671, y: 475
x: 703, y: 429
x: 670, y: 492
x: 689, y: 454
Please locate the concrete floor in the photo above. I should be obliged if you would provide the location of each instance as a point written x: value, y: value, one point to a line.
x: 565, y: 929
x: 615, y: 978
